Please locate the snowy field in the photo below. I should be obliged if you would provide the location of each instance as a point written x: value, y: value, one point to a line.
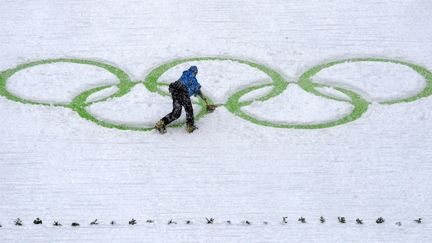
x: 351, y: 140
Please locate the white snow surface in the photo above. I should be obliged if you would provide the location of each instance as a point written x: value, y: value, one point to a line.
x: 375, y: 81
x: 104, y: 93
x: 220, y: 79
x: 332, y: 92
x: 57, y: 166
x: 296, y: 106
x: 57, y: 82
x: 256, y: 94
x: 138, y: 108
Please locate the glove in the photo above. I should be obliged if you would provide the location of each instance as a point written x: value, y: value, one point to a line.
x: 211, y: 108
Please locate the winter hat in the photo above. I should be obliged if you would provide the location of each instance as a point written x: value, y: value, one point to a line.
x: 193, y: 69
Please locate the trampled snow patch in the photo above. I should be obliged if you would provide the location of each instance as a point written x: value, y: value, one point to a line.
x: 256, y: 94
x: 219, y: 79
x: 375, y: 81
x: 332, y: 92
x: 102, y: 94
x: 297, y: 106
x: 139, y: 108
x: 57, y: 82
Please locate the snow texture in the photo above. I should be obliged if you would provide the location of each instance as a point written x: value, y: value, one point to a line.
x: 219, y: 79
x: 59, y: 82
x: 139, y: 108
x: 57, y: 166
x: 297, y: 106
x: 374, y: 81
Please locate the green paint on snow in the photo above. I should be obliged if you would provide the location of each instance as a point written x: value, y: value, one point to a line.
x: 233, y: 104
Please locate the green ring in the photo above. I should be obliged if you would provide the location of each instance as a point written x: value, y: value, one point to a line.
x: 79, y: 105
x: 279, y: 83
x: 360, y: 106
x: 5, y: 75
x: 306, y: 82
x: 233, y: 104
x: 151, y: 81
x: 152, y: 84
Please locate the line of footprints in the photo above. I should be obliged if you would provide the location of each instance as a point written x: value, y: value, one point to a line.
x: 342, y: 220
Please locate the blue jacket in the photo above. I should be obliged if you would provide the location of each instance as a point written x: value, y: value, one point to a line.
x: 189, y: 80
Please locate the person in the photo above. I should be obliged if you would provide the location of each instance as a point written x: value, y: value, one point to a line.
x: 181, y: 91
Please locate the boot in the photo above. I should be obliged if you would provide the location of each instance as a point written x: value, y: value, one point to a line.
x: 160, y: 126
x: 190, y: 128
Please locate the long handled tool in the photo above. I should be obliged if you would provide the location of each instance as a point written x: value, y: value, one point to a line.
x: 210, y: 107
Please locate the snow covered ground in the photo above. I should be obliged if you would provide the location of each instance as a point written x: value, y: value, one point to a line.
x: 59, y: 166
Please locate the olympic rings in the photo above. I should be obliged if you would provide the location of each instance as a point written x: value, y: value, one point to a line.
x: 307, y: 84
x: 5, y: 75
x: 233, y: 104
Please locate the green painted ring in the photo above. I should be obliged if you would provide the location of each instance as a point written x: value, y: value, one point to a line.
x: 151, y: 81
x: 279, y: 84
x: 5, y: 75
x: 360, y: 106
x: 79, y: 105
x: 152, y: 84
x: 306, y: 82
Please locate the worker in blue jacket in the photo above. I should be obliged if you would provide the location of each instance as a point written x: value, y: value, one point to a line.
x: 181, y: 91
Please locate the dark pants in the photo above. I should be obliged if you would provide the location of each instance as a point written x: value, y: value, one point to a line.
x: 180, y: 97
